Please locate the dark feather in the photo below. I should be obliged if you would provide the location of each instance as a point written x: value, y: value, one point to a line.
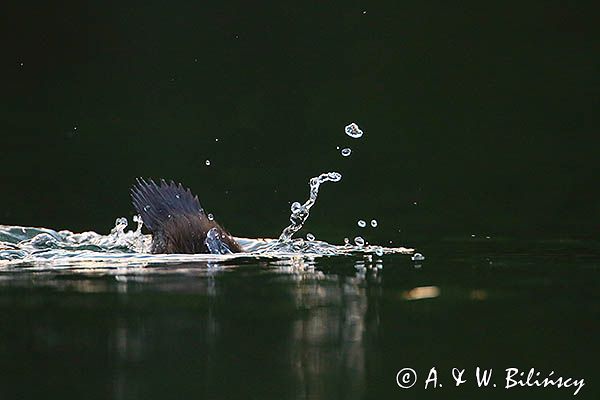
x: 177, y: 221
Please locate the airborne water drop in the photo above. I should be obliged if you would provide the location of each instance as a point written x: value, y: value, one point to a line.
x: 353, y: 131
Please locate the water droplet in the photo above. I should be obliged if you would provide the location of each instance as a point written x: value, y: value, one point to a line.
x: 346, y: 152
x: 210, y: 217
x: 334, y: 176
x: 359, y: 241
x: 217, y: 139
x: 361, y: 223
x: 310, y: 237
x: 353, y: 130
x: 346, y: 241
x: 296, y: 207
x: 374, y: 223
x: 207, y: 162
x: 417, y: 257
x: 178, y: 196
x: 379, y: 251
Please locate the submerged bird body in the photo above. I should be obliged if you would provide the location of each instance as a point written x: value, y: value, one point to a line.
x: 177, y: 221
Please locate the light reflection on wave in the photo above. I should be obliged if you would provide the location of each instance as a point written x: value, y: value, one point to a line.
x: 42, y: 248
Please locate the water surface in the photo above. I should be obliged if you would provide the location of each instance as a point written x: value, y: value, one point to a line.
x: 302, y: 327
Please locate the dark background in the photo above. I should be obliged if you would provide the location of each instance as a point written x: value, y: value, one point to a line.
x: 483, y: 113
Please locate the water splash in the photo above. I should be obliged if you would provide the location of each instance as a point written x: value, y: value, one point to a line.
x: 214, y: 242
x: 300, y: 212
x: 41, y: 247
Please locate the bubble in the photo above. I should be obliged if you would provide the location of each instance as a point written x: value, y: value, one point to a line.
x: 417, y: 257
x: 346, y: 152
x: 210, y: 217
x: 361, y: 223
x: 353, y: 131
x: 310, y: 237
x: 374, y: 223
x: 379, y: 251
x: 360, y: 242
x: 207, y: 162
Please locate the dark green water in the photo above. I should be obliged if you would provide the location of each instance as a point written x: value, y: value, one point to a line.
x: 272, y: 331
x: 479, y: 118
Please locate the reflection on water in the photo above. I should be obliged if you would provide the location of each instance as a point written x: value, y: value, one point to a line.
x: 295, y: 328
x: 196, y: 326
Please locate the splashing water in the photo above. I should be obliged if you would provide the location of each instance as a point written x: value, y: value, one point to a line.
x: 42, y: 248
x: 300, y: 212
